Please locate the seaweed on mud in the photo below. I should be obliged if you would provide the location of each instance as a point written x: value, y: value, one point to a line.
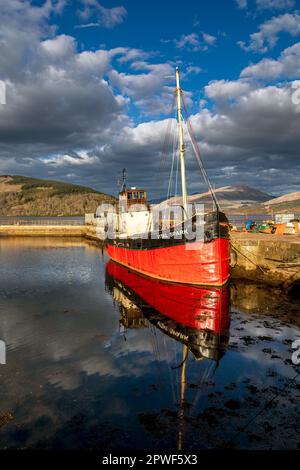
x: 265, y: 338
x: 232, y: 404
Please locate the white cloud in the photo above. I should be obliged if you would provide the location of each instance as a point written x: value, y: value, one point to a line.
x: 148, y: 90
x: 268, y: 33
x: 209, y: 39
x: 242, y: 3
x: 195, y: 42
x: 131, y: 54
x: 226, y: 89
x: 189, y: 40
x: 72, y: 106
x: 275, y: 4
x: 263, y: 119
x: 82, y: 157
x: 240, y: 139
x: 268, y: 4
x: 286, y: 66
x: 60, y: 46
x: 106, y: 17
x: 193, y: 69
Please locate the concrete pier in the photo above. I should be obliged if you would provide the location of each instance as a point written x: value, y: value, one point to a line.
x: 43, y: 230
x: 266, y: 258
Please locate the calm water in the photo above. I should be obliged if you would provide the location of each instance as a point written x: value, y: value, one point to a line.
x: 91, y: 364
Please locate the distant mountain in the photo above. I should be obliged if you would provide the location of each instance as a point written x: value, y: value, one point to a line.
x: 21, y: 195
x: 286, y: 198
x: 287, y: 202
x: 229, y: 197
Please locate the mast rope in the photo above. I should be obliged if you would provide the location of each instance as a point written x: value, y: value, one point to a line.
x: 197, y: 154
x: 177, y: 172
x: 169, y: 193
x: 166, y: 145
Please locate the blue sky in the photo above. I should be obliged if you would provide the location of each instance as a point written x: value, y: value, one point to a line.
x: 89, y: 86
x: 155, y: 27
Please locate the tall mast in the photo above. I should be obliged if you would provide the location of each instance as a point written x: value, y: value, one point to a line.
x: 181, y: 142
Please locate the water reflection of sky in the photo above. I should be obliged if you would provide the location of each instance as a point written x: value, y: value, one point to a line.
x: 74, y: 379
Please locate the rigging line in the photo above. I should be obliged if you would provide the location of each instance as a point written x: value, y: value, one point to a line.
x: 172, y: 382
x: 175, y: 154
x: 161, y: 375
x: 182, y: 362
x: 204, y: 174
x: 165, y: 148
x: 153, y: 340
x: 175, y: 372
x: 168, y: 361
x: 170, y: 178
x: 174, y: 149
x: 207, y: 372
x: 266, y: 405
x: 169, y: 195
x: 201, y: 389
x: 202, y: 170
x: 157, y: 356
x: 197, y: 153
x: 177, y: 168
x: 164, y: 208
x: 201, y: 386
x: 156, y: 344
x: 166, y: 145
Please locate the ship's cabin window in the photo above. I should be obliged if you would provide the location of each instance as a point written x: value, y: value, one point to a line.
x: 136, y: 195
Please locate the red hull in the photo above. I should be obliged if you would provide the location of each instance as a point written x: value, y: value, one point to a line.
x: 199, y: 308
x: 196, y: 263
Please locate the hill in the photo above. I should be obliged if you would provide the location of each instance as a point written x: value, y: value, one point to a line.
x: 21, y: 196
x: 286, y: 199
x: 287, y: 203
x: 229, y: 197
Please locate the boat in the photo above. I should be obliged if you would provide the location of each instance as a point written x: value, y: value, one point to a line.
x: 171, y: 251
x: 198, y: 317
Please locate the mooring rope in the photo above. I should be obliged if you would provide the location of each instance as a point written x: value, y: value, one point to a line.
x: 233, y: 244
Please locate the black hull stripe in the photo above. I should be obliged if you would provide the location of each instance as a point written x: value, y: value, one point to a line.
x: 215, y: 227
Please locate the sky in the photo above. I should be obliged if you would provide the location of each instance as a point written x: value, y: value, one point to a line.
x: 89, y: 88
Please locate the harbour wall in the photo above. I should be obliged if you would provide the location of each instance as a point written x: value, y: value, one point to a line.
x: 43, y: 230
x: 266, y: 258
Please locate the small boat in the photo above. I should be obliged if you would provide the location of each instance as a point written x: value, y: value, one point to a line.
x: 176, y: 253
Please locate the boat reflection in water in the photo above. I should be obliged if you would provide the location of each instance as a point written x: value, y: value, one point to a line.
x: 198, y: 317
